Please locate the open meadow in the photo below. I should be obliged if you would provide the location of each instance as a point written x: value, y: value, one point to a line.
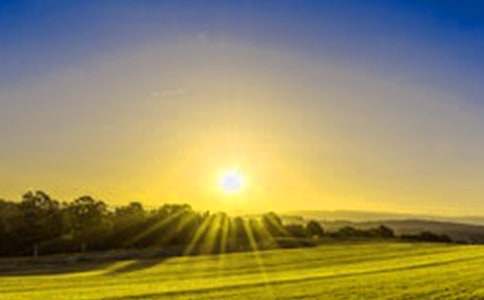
x: 345, y: 270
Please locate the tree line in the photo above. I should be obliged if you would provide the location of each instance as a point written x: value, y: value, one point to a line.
x: 40, y: 225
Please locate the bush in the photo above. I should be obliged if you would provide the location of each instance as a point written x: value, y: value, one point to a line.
x: 314, y: 228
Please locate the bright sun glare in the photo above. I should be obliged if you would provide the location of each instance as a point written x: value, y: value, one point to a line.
x: 231, y: 182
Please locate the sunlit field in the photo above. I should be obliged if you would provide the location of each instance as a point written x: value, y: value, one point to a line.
x: 382, y: 270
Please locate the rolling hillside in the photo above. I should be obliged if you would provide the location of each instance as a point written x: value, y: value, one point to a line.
x: 460, y: 229
x: 333, y: 271
x: 369, y: 216
x: 456, y: 231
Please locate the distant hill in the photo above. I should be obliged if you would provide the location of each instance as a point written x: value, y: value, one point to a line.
x: 456, y: 231
x: 364, y: 216
x: 465, y: 229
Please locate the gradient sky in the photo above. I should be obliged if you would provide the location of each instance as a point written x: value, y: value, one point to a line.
x: 365, y: 105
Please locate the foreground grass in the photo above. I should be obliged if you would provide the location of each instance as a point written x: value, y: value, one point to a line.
x: 334, y: 271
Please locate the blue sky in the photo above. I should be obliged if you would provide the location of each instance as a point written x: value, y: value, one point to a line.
x: 439, y: 41
x: 346, y: 104
x: 424, y: 40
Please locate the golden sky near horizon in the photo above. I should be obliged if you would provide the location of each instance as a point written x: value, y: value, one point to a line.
x: 158, y: 123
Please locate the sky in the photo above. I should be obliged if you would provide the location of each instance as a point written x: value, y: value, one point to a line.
x: 360, y: 105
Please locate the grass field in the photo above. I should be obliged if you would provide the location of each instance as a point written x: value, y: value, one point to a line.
x: 335, y: 271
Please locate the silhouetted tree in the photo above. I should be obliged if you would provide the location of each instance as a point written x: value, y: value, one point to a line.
x: 296, y: 230
x: 273, y: 224
x: 89, y: 221
x: 427, y: 236
x: 42, y: 219
x: 383, y: 232
x: 314, y: 228
x: 11, y: 221
x: 41, y: 225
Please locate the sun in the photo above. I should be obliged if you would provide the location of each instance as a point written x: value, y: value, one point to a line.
x: 231, y: 182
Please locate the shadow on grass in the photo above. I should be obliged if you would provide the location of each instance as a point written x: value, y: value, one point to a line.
x: 39, y: 268
x: 129, y: 260
x: 117, y: 261
x: 137, y: 265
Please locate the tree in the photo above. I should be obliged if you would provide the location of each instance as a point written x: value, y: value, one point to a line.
x: 42, y: 219
x: 296, y: 230
x: 385, y: 232
x: 89, y: 220
x: 133, y: 209
x: 348, y: 232
x: 273, y: 224
x: 427, y: 236
x: 314, y: 228
x: 11, y: 220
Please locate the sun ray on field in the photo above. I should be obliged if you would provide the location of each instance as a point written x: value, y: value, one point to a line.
x: 183, y: 222
x: 153, y: 228
x: 198, y: 235
x: 208, y: 243
x: 224, y: 234
x: 280, y: 230
x: 267, y: 236
x: 259, y: 260
x: 224, y: 231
